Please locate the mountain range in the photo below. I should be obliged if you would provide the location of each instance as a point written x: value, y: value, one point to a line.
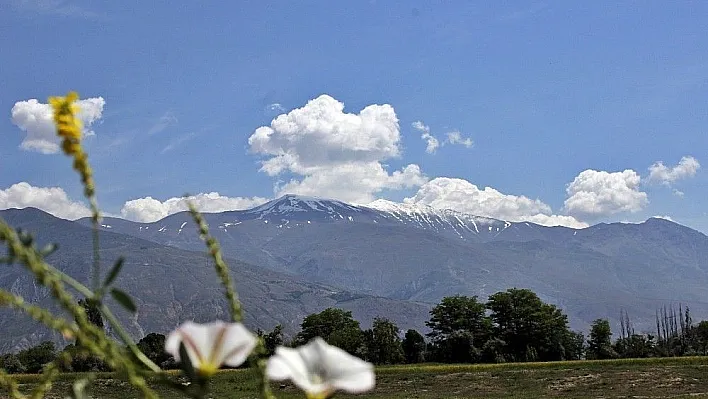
x: 295, y: 255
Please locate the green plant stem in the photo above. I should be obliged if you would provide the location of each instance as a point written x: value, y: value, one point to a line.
x: 112, y: 320
x: 95, y: 217
x: 49, y: 374
x: 222, y: 269
x: 11, y: 385
x: 128, y: 340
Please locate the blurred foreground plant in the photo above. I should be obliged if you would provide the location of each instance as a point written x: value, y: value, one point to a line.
x: 317, y: 368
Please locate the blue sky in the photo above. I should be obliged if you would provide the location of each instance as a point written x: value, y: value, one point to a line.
x: 564, y: 105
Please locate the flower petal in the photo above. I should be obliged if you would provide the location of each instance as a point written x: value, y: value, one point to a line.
x: 236, y: 344
x: 344, y: 371
x: 198, y: 339
x: 318, y: 367
x: 289, y: 364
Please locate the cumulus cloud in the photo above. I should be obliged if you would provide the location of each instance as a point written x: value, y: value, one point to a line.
x: 660, y: 173
x: 35, y: 119
x: 53, y: 200
x: 149, y: 209
x: 455, y: 137
x: 354, y: 183
x: 598, y: 193
x: 432, y: 142
x: 462, y: 196
x: 334, y: 153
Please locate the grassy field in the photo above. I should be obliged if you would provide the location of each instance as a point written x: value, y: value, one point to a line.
x: 638, y: 378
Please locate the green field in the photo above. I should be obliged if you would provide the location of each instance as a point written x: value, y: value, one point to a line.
x: 638, y: 378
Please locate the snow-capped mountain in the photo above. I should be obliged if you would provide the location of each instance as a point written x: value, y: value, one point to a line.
x: 412, y: 252
x: 294, y: 211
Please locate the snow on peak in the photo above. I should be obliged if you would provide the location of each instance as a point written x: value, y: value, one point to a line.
x: 291, y: 203
x: 427, y: 217
x: 390, y: 206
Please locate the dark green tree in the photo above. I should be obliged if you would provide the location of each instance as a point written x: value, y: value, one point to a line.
x: 459, y: 328
x: 574, y: 345
x: 532, y: 330
x: 493, y: 351
x: 700, y: 333
x: 413, y: 347
x: 11, y: 364
x: 383, y: 343
x: 153, y: 346
x: 336, y: 326
x: 92, y: 312
x: 635, y: 346
x: 33, y: 359
x: 81, y: 361
x: 600, y: 340
x: 272, y: 339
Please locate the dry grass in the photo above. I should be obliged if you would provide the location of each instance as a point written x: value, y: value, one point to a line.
x: 632, y: 378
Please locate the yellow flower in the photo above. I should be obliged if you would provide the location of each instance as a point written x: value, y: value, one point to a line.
x: 69, y: 128
x: 65, y: 117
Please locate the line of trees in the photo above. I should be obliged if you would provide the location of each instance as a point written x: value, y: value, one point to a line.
x: 676, y: 335
x: 512, y: 326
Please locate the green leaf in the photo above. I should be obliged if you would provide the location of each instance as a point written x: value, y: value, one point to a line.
x: 123, y: 298
x: 114, y: 272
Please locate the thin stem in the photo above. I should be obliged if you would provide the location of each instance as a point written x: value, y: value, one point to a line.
x: 95, y: 217
x: 128, y: 340
x: 112, y: 320
x: 222, y: 269
x: 49, y: 374
x: 11, y: 385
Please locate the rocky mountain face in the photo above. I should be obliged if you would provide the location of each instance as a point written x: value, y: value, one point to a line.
x: 411, y: 252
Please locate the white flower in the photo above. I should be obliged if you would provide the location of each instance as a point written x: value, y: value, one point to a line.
x: 211, y: 345
x: 320, y: 369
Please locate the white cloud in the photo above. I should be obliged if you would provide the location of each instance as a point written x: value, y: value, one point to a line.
x: 52, y: 200
x: 678, y: 193
x: 354, y: 183
x: 36, y: 120
x: 149, y: 209
x: 660, y: 173
x: 176, y: 142
x: 275, y: 107
x: 462, y: 196
x: 598, y: 193
x: 455, y: 137
x: 166, y: 120
x: 432, y: 141
x: 336, y: 154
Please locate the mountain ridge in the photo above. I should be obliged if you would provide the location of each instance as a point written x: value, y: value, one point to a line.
x: 401, y: 253
x: 171, y: 285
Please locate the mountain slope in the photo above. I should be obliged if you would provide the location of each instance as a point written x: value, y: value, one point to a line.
x: 412, y: 252
x: 171, y: 285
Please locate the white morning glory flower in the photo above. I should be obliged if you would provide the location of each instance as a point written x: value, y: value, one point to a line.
x: 212, y: 345
x: 320, y: 369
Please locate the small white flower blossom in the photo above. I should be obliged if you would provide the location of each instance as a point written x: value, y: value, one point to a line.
x: 320, y: 369
x: 212, y: 345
